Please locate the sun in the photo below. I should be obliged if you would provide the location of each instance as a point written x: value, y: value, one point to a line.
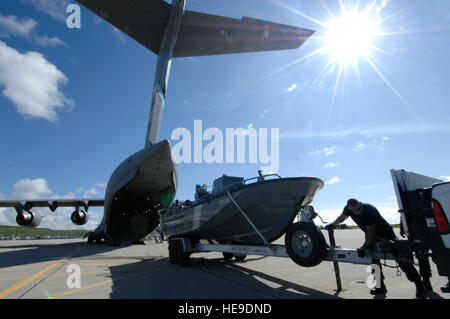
x: 350, y: 37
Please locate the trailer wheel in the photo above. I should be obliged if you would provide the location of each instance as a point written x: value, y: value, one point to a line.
x: 227, y: 256
x: 305, y: 244
x: 240, y: 257
x: 172, y: 248
x: 177, y: 255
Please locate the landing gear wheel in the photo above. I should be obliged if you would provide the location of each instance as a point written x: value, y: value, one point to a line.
x: 240, y: 257
x: 305, y: 244
x: 90, y: 239
x: 177, y: 255
x: 227, y: 256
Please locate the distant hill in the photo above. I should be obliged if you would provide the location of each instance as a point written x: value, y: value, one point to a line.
x: 22, y: 231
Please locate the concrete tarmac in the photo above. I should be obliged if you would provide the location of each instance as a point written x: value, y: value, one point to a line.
x: 41, y: 269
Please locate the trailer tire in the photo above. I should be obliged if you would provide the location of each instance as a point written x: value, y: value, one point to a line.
x: 240, y: 257
x: 177, y: 255
x: 305, y: 244
x: 172, y: 248
x: 227, y: 256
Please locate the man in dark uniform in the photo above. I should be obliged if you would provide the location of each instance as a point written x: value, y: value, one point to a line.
x: 375, y: 227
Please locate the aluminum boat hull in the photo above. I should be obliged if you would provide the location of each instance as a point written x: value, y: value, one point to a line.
x: 270, y: 205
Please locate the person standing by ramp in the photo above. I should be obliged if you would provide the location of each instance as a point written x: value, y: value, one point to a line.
x: 376, y: 227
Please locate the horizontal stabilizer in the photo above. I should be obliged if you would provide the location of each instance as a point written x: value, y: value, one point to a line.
x: 143, y: 20
x: 200, y: 34
x: 205, y: 34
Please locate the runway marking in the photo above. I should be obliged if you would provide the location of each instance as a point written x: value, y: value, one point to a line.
x: 24, y: 266
x: 84, y: 272
x: 23, y: 283
x: 107, y: 282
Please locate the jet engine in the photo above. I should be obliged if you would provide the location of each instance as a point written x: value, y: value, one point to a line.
x: 79, y: 217
x: 28, y: 219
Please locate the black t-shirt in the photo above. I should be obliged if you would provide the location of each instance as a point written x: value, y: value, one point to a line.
x: 369, y: 217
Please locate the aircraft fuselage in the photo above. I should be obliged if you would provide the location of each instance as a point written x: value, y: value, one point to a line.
x: 140, y: 186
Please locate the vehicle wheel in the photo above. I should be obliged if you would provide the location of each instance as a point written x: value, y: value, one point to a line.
x: 240, y: 257
x: 177, y: 255
x: 305, y: 244
x: 90, y: 239
x: 172, y: 252
x: 228, y: 256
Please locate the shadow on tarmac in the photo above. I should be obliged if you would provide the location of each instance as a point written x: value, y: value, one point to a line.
x: 204, y: 279
x: 36, y: 253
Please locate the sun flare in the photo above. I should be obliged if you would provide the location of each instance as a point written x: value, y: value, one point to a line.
x: 350, y: 37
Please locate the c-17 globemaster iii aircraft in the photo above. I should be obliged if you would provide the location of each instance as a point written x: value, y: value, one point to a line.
x: 147, y: 180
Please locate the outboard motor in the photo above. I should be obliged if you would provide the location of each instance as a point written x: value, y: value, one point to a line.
x: 201, y: 192
x: 28, y: 219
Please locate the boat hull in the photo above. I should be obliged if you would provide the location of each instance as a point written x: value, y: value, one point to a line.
x: 270, y: 205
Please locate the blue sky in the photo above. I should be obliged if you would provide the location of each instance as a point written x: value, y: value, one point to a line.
x: 75, y: 102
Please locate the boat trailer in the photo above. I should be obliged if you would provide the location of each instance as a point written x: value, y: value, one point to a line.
x: 299, y: 248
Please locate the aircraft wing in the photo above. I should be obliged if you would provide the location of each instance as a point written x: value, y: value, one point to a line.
x: 200, y: 34
x: 52, y: 204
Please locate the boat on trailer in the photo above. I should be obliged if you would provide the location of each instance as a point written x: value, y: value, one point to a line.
x: 239, y: 212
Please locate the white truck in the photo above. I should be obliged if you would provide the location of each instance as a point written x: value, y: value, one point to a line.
x: 424, y: 207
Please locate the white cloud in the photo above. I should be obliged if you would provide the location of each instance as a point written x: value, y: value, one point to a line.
x: 48, y: 42
x: 390, y: 213
x: 445, y: 178
x: 55, y: 8
x: 11, y: 25
x: 31, y: 189
x: 100, y: 184
x: 370, y: 132
x: 334, y: 180
x: 331, y: 164
x: 369, y: 187
x: 359, y: 147
x: 32, y: 83
x: 327, y: 151
x: 329, y: 215
x: 25, y: 28
x: 90, y: 192
x: 119, y: 34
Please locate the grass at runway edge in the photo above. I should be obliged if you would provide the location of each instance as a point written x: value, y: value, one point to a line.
x: 22, y: 231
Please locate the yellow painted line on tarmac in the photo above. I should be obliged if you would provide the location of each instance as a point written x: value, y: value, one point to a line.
x: 14, y: 268
x: 25, y: 282
x: 107, y: 282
